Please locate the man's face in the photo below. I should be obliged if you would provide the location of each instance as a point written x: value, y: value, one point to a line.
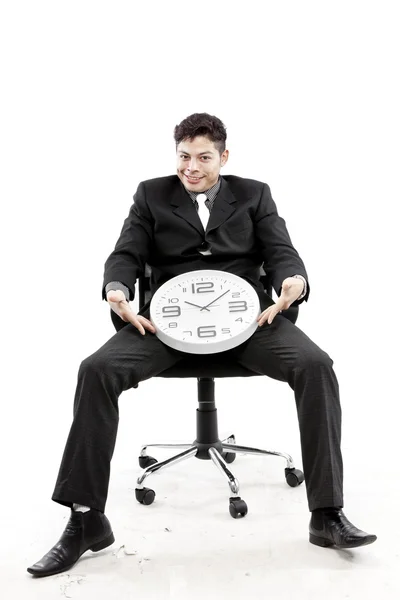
x: 198, y: 163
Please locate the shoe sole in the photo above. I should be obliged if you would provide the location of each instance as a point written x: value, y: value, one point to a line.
x: 324, y: 543
x: 95, y: 548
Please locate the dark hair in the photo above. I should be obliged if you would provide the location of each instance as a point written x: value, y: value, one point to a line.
x: 201, y: 124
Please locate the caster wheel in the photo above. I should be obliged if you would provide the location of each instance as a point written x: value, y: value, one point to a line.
x: 237, y: 508
x: 294, y: 477
x: 146, y: 461
x: 145, y: 495
x: 228, y: 457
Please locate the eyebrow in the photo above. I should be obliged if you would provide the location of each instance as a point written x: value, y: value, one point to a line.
x: 201, y: 153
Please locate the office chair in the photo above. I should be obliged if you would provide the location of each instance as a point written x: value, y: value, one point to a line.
x: 207, y: 445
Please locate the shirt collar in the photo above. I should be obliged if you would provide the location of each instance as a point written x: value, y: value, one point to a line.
x: 211, y: 193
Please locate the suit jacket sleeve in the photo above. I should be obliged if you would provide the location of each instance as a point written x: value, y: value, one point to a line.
x: 132, y: 249
x: 281, y: 259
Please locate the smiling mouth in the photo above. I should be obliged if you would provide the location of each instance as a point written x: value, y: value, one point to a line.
x: 193, y: 178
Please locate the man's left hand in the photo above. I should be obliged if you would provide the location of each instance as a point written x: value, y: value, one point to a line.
x: 292, y: 287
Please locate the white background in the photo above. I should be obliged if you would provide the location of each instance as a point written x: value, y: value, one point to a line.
x: 91, y: 92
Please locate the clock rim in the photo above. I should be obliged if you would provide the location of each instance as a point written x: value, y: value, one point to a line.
x: 229, y: 343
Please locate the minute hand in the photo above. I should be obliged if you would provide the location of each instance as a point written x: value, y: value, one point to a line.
x: 207, y: 305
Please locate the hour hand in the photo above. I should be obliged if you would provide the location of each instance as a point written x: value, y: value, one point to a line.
x: 197, y: 305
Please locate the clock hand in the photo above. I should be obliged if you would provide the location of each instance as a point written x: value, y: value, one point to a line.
x: 198, y: 306
x: 209, y: 304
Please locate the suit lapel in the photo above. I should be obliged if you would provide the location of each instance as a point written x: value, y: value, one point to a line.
x: 224, y: 206
x: 183, y: 206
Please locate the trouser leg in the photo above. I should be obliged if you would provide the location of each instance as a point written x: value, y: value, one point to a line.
x: 126, y: 359
x: 282, y: 351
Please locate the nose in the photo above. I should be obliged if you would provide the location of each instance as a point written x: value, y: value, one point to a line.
x: 192, y: 166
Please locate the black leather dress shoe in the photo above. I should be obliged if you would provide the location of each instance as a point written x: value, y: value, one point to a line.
x: 332, y: 528
x: 84, y: 531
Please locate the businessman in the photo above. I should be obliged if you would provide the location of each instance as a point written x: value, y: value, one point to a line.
x: 166, y: 229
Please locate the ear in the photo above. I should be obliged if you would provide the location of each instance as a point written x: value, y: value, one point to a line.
x: 224, y: 157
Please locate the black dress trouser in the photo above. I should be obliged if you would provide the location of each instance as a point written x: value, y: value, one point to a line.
x: 280, y: 350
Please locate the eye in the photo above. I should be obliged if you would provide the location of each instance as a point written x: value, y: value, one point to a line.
x: 184, y: 157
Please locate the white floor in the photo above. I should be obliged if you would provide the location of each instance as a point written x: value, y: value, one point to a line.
x: 186, y: 545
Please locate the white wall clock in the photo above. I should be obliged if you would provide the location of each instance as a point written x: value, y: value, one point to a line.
x: 206, y: 311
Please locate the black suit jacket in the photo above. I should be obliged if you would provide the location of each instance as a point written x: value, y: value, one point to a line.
x: 244, y: 231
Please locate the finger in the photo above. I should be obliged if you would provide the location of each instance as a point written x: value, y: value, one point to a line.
x: 260, y: 316
x: 136, y: 323
x: 273, y: 309
x: 265, y: 312
x: 134, y: 319
x: 272, y: 314
x: 147, y: 324
x: 264, y: 316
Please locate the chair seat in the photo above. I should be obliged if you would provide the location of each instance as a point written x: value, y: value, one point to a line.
x: 207, y: 365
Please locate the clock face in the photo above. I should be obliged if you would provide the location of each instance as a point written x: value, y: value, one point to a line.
x: 204, y: 312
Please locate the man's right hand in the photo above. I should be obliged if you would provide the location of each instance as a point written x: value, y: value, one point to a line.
x: 116, y: 299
